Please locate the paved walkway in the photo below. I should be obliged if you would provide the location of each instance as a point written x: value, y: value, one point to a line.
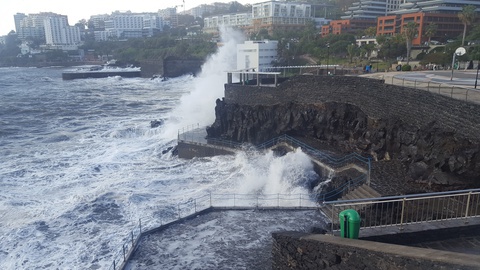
x: 461, y: 78
x: 461, y: 87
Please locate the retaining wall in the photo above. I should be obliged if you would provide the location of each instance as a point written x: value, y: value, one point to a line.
x: 190, y: 150
x: 376, y: 99
x: 295, y: 250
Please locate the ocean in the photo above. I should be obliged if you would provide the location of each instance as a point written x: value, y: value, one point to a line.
x: 80, y: 163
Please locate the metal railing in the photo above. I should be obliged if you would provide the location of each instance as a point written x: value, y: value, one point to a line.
x: 335, y: 162
x: 401, y: 211
x: 453, y: 91
x: 193, y: 134
x: 352, y: 160
x: 342, y: 190
x: 191, y: 208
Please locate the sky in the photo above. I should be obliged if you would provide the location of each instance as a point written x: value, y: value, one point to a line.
x: 77, y: 10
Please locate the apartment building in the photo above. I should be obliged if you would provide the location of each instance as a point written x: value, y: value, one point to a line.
x: 169, y: 16
x: 281, y: 16
x: 269, y: 15
x: 236, y: 20
x: 257, y: 55
x: 125, y: 25
x: 449, y: 26
x: 31, y: 26
x: 434, y: 6
x: 350, y: 26
x: 58, y: 32
x: 98, y: 21
x: 442, y: 13
x: 371, y: 9
x: 18, y: 18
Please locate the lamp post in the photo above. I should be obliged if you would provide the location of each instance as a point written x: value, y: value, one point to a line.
x: 458, y: 52
x: 476, y: 78
x: 328, y: 55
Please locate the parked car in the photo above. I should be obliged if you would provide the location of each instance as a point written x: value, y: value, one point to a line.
x: 435, y: 42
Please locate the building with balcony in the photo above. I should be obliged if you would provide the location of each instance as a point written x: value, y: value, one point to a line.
x: 371, y: 9
x: 280, y: 16
x: 125, y: 25
x: 236, y: 20
x: 257, y: 55
x: 18, y: 18
x: 350, y: 26
x: 58, y: 32
x: 434, y: 6
x: 169, y: 16
x: 31, y: 26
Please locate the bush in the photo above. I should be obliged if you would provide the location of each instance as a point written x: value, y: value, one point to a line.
x: 406, y: 68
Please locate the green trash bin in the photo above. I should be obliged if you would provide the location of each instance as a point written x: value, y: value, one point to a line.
x: 349, y: 224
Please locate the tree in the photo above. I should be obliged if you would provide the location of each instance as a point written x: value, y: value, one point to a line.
x: 430, y: 31
x: 371, y: 31
x: 352, y: 50
x: 410, y: 32
x: 467, y: 16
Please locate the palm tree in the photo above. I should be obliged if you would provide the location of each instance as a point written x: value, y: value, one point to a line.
x: 430, y: 31
x: 467, y: 16
x: 410, y: 32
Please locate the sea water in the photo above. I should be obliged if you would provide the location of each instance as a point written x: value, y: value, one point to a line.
x: 80, y: 163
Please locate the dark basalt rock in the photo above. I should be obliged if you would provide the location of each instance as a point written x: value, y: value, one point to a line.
x: 156, y: 123
x: 410, y: 126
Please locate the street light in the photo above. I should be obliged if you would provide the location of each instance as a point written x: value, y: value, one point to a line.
x: 476, y: 78
x: 458, y: 52
x: 328, y: 54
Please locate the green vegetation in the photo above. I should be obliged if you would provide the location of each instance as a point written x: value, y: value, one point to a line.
x: 467, y: 16
x: 156, y: 48
x: 9, y: 50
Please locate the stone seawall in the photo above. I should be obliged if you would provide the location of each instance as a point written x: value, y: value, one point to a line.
x: 435, y: 137
x: 295, y: 250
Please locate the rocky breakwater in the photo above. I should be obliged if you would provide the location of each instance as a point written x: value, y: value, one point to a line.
x: 435, y: 138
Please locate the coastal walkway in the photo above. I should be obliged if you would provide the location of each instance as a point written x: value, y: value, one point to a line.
x: 461, y: 86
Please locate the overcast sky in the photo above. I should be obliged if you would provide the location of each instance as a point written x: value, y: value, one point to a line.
x: 77, y: 10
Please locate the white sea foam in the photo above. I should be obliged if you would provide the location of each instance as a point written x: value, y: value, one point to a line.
x: 198, y: 106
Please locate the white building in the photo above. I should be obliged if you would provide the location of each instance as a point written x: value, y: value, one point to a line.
x: 18, y: 18
x: 237, y: 20
x: 58, y: 32
x: 31, y: 26
x: 125, y: 25
x: 169, y: 15
x: 257, y: 55
x: 276, y: 12
x: 98, y: 21
x: 370, y: 10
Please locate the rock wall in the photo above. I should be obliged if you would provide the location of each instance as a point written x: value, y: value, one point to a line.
x: 179, y: 67
x: 294, y: 250
x: 435, y: 137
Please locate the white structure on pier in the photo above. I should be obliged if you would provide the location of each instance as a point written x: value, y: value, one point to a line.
x: 258, y: 55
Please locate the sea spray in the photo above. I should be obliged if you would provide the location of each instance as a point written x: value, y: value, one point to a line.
x: 268, y: 173
x: 197, y: 107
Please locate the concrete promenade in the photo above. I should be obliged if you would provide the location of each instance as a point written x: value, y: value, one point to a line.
x: 461, y: 78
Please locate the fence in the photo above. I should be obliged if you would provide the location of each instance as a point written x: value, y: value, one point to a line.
x: 453, y: 91
x: 363, y: 164
x: 193, y: 207
x: 401, y: 211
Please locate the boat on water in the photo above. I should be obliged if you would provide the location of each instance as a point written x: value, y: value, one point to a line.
x: 102, y: 71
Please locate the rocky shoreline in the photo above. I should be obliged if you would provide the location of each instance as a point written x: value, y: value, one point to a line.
x: 419, y: 141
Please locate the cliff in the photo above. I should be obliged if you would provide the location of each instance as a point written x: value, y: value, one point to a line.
x: 433, y: 136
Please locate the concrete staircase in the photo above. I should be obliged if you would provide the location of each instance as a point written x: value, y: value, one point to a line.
x: 362, y: 192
